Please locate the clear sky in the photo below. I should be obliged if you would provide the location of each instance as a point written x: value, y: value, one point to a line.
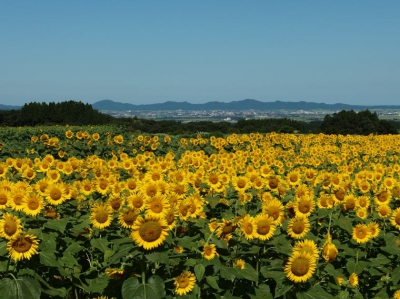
x: 143, y: 52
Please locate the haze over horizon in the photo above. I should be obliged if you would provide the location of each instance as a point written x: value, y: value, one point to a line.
x: 199, y: 52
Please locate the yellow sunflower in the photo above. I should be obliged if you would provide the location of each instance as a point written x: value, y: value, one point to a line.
x: 240, y: 263
x: 308, y: 246
x: 149, y: 232
x: 32, y: 204
x: 383, y: 211
x: 329, y: 251
x: 17, y: 197
x: 273, y: 208
x: 184, y: 283
x: 374, y: 229
x: 127, y: 217
x: 395, y: 218
x: 115, y: 273
x: 55, y: 193
x: 361, y: 233
x: 157, y: 206
x: 353, y: 279
x: 298, y: 227
x: 137, y: 201
x: 265, y: 227
x: 300, y: 267
x: 10, y: 226
x: 5, y: 197
x: 23, y: 247
x: 304, y: 206
x: 383, y: 197
x: 209, y: 251
x: 248, y: 227
x: 101, y: 215
x: 362, y: 213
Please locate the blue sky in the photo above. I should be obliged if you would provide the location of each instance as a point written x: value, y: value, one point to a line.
x: 143, y: 52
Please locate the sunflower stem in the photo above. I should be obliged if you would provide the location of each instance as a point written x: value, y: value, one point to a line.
x: 8, y: 264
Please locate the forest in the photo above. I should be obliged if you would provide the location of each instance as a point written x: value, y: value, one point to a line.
x: 77, y: 113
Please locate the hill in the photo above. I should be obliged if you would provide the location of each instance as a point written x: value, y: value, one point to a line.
x: 247, y: 104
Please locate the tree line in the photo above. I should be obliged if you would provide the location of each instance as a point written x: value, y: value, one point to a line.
x: 77, y: 113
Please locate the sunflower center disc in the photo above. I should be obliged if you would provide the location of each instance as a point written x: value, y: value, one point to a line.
x: 150, y: 231
x: 298, y: 227
x: 304, y: 207
x: 22, y: 245
x: 33, y: 204
x: 263, y: 227
x: 10, y: 228
x: 248, y: 229
x: 300, y: 266
x: 183, y: 282
x: 55, y: 194
x: 101, y: 216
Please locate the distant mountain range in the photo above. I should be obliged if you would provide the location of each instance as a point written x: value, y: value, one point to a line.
x: 8, y: 107
x: 248, y: 104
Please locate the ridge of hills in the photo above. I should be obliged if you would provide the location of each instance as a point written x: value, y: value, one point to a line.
x: 247, y: 104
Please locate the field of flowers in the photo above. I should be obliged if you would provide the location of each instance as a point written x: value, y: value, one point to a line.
x: 97, y: 212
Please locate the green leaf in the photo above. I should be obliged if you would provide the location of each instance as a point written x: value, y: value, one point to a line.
x: 262, y: 292
x: 123, y: 251
x: 248, y: 273
x: 282, y: 289
x: 357, y: 268
x: 315, y: 292
x: 345, y: 223
x: 100, y: 244
x: 48, y: 258
x: 380, y: 260
x: 153, y: 289
x: 212, y: 282
x: 97, y: 285
x: 199, y: 271
x: 20, y: 288
x: 278, y: 276
x: 49, y: 290
x: 396, y: 275
x: 57, y: 224
x: 158, y: 257
x: 3, y: 249
x: 228, y: 273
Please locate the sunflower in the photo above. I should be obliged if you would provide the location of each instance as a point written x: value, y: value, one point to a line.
x: 329, y: 251
x: 100, y: 216
x: 184, y: 283
x: 362, y: 213
x: 300, y: 267
x: 325, y: 201
x: 240, y: 263
x: 178, y: 249
x: 137, y: 201
x: 157, y: 206
x: 248, y: 227
x: 55, y: 193
x: 23, y: 247
x: 383, y: 197
x: 395, y: 218
x: 115, y: 273
x: 273, y: 208
x: 86, y: 187
x: 308, y: 246
x: 5, y: 197
x: 265, y: 227
x: 150, y: 189
x: 115, y: 203
x: 363, y: 201
x: 32, y: 204
x: 225, y: 229
x: 293, y: 178
x: 241, y: 183
x: 41, y: 185
x: 304, y: 206
x: 353, y: 279
x: 17, y: 197
x: 127, y: 217
x: 383, y: 211
x: 209, y: 251
x: 10, y: 226
x: 396, y: 294
x: 361, y: 233
x: 298, y: 227
x: 149, y: 232
x: 374, y: 229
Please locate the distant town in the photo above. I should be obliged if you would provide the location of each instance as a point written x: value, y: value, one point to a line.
x: 234, y: 115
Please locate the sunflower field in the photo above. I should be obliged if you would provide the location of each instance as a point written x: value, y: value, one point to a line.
x: 98, y: 212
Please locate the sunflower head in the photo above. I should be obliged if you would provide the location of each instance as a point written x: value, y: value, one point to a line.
x: 184, y: 283
x: 300, y: 267
x: 23, y: 247
x: 149, y: 232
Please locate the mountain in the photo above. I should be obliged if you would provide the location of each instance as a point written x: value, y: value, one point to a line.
x: 247, y: 104
x: 8, y: 107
